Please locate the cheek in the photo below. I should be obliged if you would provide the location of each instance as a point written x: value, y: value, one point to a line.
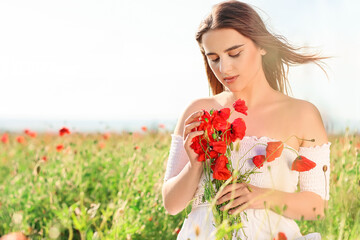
x: 249, y: 63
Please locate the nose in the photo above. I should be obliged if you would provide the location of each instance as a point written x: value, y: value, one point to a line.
x: 225, y: 66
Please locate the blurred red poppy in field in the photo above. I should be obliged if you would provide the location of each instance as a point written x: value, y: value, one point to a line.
x: 281, y: 236
x: 162, y: 125
x: 144, y: 128
x: 20, y: 139
x: 14, y: 236
x: 259, y: 160
x: 102, y: 145
x: 150, y: 219
x: 5, y: 138
x: 44, y: 158
x: 106, y: 136
x: 302, y: 164
x: 136, y: 147
x: 30, y: 133
x: 64, y: 131
x: 59, y: 147
x: 274, y: 150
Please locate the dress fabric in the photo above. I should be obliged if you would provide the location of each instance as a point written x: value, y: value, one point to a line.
x: 258, y: 223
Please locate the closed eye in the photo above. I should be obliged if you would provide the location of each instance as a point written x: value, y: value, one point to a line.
x: 233, y: 56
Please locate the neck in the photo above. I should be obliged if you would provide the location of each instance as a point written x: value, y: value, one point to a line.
x: 254, y: 93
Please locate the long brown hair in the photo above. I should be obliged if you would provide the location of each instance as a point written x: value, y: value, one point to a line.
x: 279, y: 53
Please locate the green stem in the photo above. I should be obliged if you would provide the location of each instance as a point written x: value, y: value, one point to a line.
x: 293, y: 150
x: 248, y: 152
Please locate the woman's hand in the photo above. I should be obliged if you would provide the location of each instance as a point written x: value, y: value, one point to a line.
x: 245, y: 196
x: 190, y: 123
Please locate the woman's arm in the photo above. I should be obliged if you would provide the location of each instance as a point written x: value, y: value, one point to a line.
x: 306, y: 205
x: 179, y: 190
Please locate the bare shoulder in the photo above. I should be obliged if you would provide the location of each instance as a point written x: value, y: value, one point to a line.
x: 309, y: 122
x: 193, y: 107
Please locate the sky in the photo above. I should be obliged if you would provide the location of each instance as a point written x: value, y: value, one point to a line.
x: 122, y: 60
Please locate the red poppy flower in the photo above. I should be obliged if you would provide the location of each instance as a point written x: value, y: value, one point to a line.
x: 44, y: 158
x: 199, y: 148
x: 238, y: 129
x: 220, y: 170
x: 240, y: 106
x: 64, y: 131
x: 106, y: 136
x: 281, y: 236
x: 144, y: 128
x: 102, y: 145
x: 150, y: 219
x: 219, y: 120
x: 224, y: 113
x: 161, y: 125
x: 5, y: 138
x: 259, y: 160
x: 358, y: 145
x: 219, y: 147
x: 206, y: 123
x: 274, y: 150
x: 136, y: 147
x: 20, y: 139
x: 30, y: 133
x: 210, y: 154
x: 59, y: 147
x: 302, y: 164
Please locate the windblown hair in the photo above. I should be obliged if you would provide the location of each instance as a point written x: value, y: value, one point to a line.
x: 279, y: 53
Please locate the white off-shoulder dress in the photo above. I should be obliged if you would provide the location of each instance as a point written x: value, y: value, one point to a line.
x: 259, y: 223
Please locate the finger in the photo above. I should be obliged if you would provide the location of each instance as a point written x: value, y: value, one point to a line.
x: 234, y: 204
x: 187, y: 138
x: 238, y: 209
x: 193, y: 117
x: 231, y: 195
x: 188, y: 128
x: 230, y: 188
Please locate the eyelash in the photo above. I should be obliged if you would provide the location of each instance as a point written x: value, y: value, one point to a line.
x: 233, y: 56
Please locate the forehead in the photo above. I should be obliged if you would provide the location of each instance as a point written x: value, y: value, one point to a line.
x: 221, y: 39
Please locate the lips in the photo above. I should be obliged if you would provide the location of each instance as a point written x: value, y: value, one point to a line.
x: 231, y: 79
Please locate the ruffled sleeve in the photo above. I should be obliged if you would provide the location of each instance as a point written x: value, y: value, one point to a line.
x: 177, y: 157
x: 317, y: 179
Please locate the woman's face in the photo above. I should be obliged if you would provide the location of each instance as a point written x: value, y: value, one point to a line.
x: 234, y: 59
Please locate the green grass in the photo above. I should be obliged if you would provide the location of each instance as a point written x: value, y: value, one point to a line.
x: 89, y: 192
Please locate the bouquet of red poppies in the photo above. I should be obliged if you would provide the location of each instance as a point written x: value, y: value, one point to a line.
x: 218, y: 138
x: 214, y: 149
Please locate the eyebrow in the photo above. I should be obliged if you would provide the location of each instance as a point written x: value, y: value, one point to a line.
x: 229, y: 49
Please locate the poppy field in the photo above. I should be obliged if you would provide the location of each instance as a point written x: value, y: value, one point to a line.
x: 66, y: 185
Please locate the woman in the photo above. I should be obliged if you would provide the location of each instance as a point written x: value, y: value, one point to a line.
x: 244, y: 60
